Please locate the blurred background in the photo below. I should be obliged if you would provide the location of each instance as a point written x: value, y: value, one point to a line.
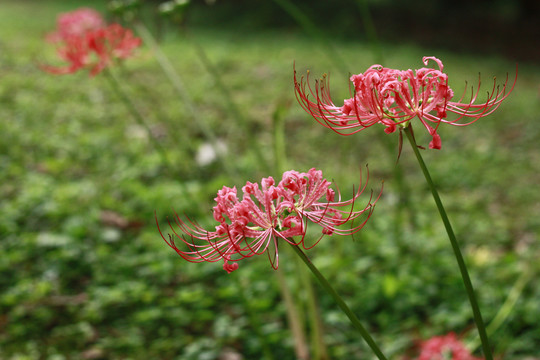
x: 84, y: 273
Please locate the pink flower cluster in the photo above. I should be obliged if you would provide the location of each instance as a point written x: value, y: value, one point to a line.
x: 393, y: 98
x: 447, y: 347
x: 85, y: 41
x: 266, y: 214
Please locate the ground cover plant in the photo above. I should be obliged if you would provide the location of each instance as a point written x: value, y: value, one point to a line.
x: 84, y: 273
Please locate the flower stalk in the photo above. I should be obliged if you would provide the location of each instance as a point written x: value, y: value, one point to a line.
x: 117, y: 88
x: 317, y: 330
x: 508, y: 305
x: 180, y: 88
x: 341, y: 303
x: 294, y: 315
x: 253, y: 318
x: 455, y: 247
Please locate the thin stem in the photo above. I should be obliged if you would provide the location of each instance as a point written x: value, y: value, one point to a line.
x: 233, y: 108
x: 280, y: 153
x: 403, y: 189
x: 508, y: 305
x: 369, y: 28
x: 313, y: 30
x: 294, y: 312
x: 137, y: 116
x: 253, y: 318
x: 404, y: 203
x: 342, y: 305
x: 317, y: 331
x: 130, y: 105
x: 293, y: 316
x: 455, y: 246
x: 178, y: 85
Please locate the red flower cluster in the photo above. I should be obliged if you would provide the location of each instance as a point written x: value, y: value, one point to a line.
x: 85, y: 41
x: 393, y: 98
x: 266, y: 214
x: 446, y: 347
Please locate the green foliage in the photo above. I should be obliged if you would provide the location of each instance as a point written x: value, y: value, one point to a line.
x: 84, y: 273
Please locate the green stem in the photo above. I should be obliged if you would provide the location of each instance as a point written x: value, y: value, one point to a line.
x: 233, y: 108
x: 313, y: 30
x: 280, y: 154
x: 342, y: 305
x: 318, y: 344
x: 403, y: 189
x: 117, y: 88
x: 508, y: 305
x: 369, y: 28
x: 294, y: 318
x: 404, y: 214
x: 179, y: 87
x: 137, y: 116
x: 253, y: 318
x: 293, y: 311
x: 455, y: 246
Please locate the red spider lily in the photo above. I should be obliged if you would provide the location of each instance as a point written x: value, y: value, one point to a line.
x: 446, y: 347
x: 265, y: 215
x: 85, y: 42
x: 393, y: 98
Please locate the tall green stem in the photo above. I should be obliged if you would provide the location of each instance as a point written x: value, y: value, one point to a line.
x: 294, y: 318
x: 233, y: 108
x: 455, y: 246
x: 318, y: 344
x: 508, y: 305
x: 179, y: 87
x: 369, y: 28
x: 342, y: 305
x: 253, y: 318
x: 294, y: 312
x: 137, y: 116
x: 314, y: 31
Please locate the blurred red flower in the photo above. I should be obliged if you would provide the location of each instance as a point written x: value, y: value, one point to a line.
x: 446, y: 347
x: 85, y: 41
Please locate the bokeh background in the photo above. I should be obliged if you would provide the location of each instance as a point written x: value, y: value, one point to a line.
x: 84, y: 273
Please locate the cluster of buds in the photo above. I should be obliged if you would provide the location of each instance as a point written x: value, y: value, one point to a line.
x: 85, y: 41
x: 266, y: 214
x: 393, y: 98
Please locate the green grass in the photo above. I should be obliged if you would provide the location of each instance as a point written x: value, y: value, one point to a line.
x: 75, y: 283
